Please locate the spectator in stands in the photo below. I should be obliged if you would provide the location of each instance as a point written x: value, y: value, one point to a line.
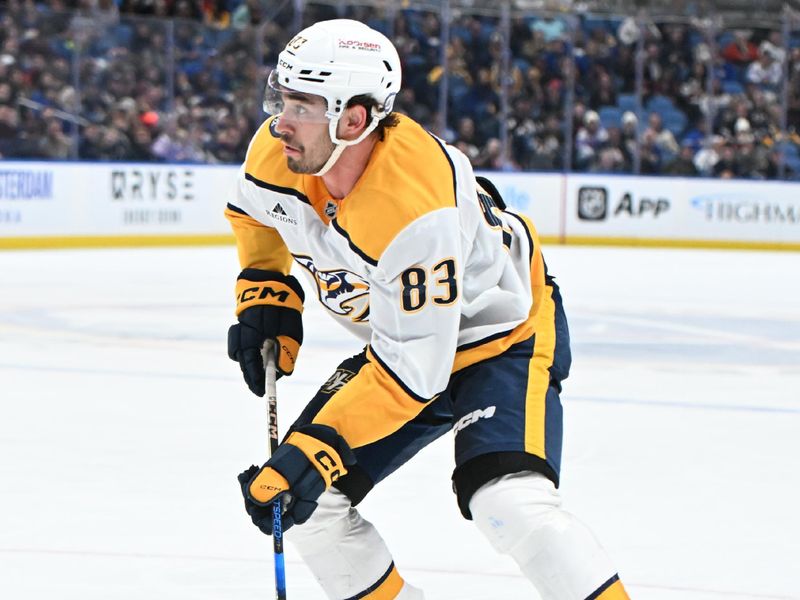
x: 751, y: 160
x: 141, y: 143
x: 466, y: 139
x: 522, y: 129
x: 663, y: 138
x: 629, y: 134
x: 549, y: 153
x: 491, y: 156
x: 54, y: 143
x: 9, y: 126
x: 610, y: 157
x: 249, y: 12
x: 766, y: 72
x: 588, y: 141
x: 174, y: 144
x: 650, y: 159
x: 691, y: 91
x: 550, y: 28
x: 708, y: 156
x: 216, y: 14
x: 683, y: 164
x: 727, y: 165
x: 602, y: 91
x: 126, y: 96
x: 553, y: 102
x: 740, y: 51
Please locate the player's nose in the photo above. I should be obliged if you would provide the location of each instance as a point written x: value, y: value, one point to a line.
x: 284, y: 126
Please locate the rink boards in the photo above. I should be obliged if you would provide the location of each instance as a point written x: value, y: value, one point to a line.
x: 57, y: 204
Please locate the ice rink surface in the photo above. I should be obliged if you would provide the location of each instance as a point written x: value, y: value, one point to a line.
x: 124, y: 424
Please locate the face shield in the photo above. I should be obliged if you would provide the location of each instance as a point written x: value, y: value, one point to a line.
x: 292, y: 105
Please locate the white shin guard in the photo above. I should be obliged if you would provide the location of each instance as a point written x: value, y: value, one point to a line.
x: 345, y: 551
x: 521, y: 515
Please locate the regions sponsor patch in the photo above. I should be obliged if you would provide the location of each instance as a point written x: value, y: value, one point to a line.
x: 279, y: 212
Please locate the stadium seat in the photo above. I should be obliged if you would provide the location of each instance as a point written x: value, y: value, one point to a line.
x: 660, y: 104
x: 675, y: 121
x: 627, y: 102
x: 610, y: 116
x: 732, y: 87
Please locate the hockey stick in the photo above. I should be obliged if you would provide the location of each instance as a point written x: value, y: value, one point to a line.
x: 272, y: 412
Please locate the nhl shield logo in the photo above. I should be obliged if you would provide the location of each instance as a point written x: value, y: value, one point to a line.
x: 592, y: 203
x: 330, y: 209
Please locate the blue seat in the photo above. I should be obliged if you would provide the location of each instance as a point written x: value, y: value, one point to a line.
x: 660, y: 103
x: 627, y: 102
x: 610, y: 116
x: 790, y: 150
x: 724, y: 38
x: 675, y: 121
x: 794, y: 164
x: 732, y: 87
x: 591, y: 22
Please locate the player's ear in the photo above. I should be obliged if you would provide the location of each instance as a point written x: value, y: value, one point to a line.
x: 353, y: 122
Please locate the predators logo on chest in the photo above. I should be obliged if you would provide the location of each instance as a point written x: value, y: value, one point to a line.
x: 342, y: 292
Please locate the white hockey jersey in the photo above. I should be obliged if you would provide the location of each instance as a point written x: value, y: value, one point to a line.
x: 414, y: 261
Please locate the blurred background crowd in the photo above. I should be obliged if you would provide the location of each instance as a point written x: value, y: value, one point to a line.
x: 516, y: 86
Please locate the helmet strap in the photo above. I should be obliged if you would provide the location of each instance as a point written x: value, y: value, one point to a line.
x: 340, y: 145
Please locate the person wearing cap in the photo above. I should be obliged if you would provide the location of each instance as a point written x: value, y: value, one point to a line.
x: 588, y: 141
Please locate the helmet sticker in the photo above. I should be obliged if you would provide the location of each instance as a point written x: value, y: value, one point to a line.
x: 296, y: 42
x: 388, y: 104
x: 359, y: 45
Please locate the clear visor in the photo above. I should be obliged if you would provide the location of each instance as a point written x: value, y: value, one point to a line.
x: 293, y: 105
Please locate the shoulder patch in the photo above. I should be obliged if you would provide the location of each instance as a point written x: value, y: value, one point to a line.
x: 272, y: 125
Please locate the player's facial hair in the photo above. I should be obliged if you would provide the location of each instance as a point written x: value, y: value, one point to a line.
x: 314, y: 155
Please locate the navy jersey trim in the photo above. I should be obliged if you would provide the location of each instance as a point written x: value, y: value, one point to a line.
x: 236, y: 209
x: 603, y: 588
x: 374, y: 586
x: 452, y: 167
x: 486, y: 340
x: 527, y: 232
x: 397, y: 380
x: 277, y: 188
x: 366, y: 257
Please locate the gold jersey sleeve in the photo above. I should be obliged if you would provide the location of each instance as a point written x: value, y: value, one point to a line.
x: 258, y: 246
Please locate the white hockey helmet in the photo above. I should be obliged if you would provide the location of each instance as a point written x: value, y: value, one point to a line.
x: 338, y: 60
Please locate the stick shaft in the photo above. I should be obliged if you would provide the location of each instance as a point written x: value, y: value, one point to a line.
x: 272, y: 428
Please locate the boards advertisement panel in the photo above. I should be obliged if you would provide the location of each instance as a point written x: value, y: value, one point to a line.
x: 77, y: 204
x: 680, y: 209
x: 113, y: 199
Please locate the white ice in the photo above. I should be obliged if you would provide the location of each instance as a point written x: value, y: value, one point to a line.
x: 124, y: 424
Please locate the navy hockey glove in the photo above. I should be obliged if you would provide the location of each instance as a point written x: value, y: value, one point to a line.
x: 269, y: 306
x: 306, y: 464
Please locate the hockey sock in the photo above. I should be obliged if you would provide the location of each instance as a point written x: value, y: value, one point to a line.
x: 521, y: 515
x: 347, y: 555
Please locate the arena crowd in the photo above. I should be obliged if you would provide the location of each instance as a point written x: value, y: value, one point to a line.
x: 181, y: 80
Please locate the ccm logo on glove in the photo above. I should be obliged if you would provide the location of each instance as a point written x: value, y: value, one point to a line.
x: 303, y: 467
x: 269, y: 307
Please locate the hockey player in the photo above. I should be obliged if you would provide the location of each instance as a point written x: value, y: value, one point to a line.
x: 463, y: 326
